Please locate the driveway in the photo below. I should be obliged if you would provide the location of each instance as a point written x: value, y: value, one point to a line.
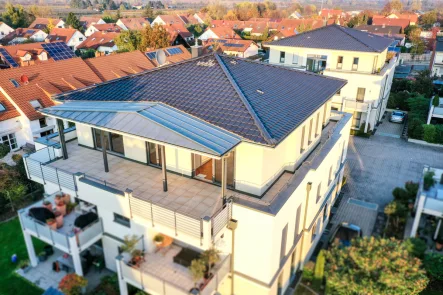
x: 375, y: 166
x: 389, y: 129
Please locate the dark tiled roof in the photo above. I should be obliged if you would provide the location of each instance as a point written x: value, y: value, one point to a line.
x: 337, y: 38
x: 260, y: 102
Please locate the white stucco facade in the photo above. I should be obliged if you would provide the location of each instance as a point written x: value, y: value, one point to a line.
x: 5, y: 30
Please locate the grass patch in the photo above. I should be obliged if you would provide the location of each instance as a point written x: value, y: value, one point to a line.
x: 301, y: 290
x: 13, y: 243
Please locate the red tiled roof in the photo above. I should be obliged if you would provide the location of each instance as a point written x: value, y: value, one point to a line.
x: 135, y: 23
x: 391, y: 22
x: 45, y: 80
x: 173, y: 58
x: 118, y: 65
x: 107, y: 27
x: 225, y: 46
x: 86, y: 21
x: 171, y: 19
x: 287, y: 27
x: 224, y: 32
x: 33, y: 48
x: 61, y: 34
x: 188, y: 19
x: 19, y: 33
x: 327, y: 13
x: 40, y: 23
x: 11, y: 111
x: 98, y: 39
x: 177, y: 29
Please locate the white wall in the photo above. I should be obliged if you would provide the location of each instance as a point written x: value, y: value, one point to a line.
x: 39, y: 36
x: 135, y: 149
x: 14, y: 126
x: 76, y: 40
x: 5, y: 30
x: 84, y: 135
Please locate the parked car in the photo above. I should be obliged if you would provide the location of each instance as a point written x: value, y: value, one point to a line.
x: 344, y: 233
x: 397, y: 117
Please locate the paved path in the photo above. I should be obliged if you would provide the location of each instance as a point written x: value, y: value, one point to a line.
x: 375, y: 167
x: 389, y: 129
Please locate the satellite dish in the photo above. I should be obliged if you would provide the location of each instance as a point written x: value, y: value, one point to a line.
x: 161, y: 57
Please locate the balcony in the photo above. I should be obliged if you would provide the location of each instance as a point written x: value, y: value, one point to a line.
x: 67, y: 236
x: 159, y: 274
x: 379, y: 72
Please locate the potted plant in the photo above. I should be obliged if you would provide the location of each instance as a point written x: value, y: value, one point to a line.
x: 42, y: 256
x: 137, y: 257
x: 58, y: 199
x: 439, y: 244
x: 52, y: 223
x: 66, y: 198
x: 69, y: 207
x: 61, y: 207
x: 197, y: 269
x: 210, y: 257
x: 158, y: 239
x: 128, y: 246
x: 428, y: 180
x: 73, y: 284
x: 58, y: 218
x: 24, y: 266
x: 47, y: 204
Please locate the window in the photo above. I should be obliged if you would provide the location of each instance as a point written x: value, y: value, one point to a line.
x: 15, y: 83
x: 313, y: 232
x: 330, y: 176
x: 310, y: 130
x: 325, y: 213
x: 302, y: 145
x: 340, y: 62
x: 316, y: 124
x: 282, y: 57
x: 9, y: 140
x: 295, y: 58
x: 114, y: 142
x: 297, y: 223
x: 80, y: 39
x: 356, y: 118
x: 122, y: 220
x: 355, y: 64
x: 42, y: 122
x: 2, y: 108
x: 35, y: 104
x: 318, y: 193
x: 361, y: 94
x: 284, y: 236
x: 154, y: 151
x: 46, y: 133
x: 117, y: 143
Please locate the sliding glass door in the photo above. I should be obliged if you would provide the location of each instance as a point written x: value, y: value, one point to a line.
x: 154, y: 154
x: 114, y: 142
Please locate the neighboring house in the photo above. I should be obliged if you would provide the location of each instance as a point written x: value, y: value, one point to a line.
x: 346, y: 53
x: 218, y: 33
x: 167, y: 19
x: 234, y: 47
x: 134, y: 23
x: 429, y: 201
x: 11, y: 131
x: 102, y: 42
x: 330, y: 13
x: 5, y: 30
x: 179, y: 35
x: 393, y: 32
x: 403, y: 23
x: 119, y: 65
x: 296, y: 15
x: 411, y: 17
x: 437, y: 58
x: 21, y: 35
x: 42, y: 23
x: 29, y: 89
x: 188, y: 19
x: 70, y: 37
x: 201, y: 17
x: 23, y: 55
x: 246, y: 168
x: 290, y: 27
x: 102, y: 28
x: 86, y: 21
x: 173, y: 54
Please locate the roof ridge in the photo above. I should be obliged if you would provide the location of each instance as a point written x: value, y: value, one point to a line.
x: 245, y: 101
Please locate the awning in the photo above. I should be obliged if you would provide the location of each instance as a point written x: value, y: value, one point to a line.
x: 152, y: 121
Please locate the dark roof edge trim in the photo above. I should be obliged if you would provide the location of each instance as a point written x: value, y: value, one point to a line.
x: 251, y: 111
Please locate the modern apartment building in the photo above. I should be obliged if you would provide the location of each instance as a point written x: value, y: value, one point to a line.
x: 437, y: 58
x: 214, y: 151
x: 359, y: 57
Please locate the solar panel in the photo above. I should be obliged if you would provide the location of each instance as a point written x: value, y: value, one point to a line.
x: 8, y: 58
x: 233, y: 45
x: 58, y: 50
x: 173, y: 51
x: 151, y: 55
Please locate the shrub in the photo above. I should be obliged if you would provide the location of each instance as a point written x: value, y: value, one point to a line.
x: 429, y: 133
x: 415, y: 128
x: 71, y: 284
x: 412, y: 189
x: 416, y: 247
x: 439, y: 133
x: 436, y: 101
x: 428, y: 180
x: 308, y: 271
x: 401, y: 195
x: 4, y: 150
x: 433, y: 264
x: 319, y: 272
x: 16, y: 158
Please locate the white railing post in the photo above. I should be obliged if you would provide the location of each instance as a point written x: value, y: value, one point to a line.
x: 206, y: 232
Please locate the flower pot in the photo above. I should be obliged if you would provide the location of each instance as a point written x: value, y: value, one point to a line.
x: 61, y: 208
x: 438, y: 245
x: 48, y: 206
x: 52, y: 224
x: 158, y: 244
x: 42, y: 257
x: 66, y: 198
x: 59, y: 219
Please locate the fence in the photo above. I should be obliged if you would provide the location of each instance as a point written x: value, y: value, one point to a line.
x: 221, y: 219
x: 219, y: 273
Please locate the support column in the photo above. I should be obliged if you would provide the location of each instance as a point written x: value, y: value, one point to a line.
x: 431, y: 111
x: 61, y: 134
x: 437, y: 229
x: 104, y: 146
x: 367, y: 119
x: 165, y: 178
x: 29, y: 245
x: 75, y: 254
x: 121, y: 282
x: 418, y: 211
x: 223, y: 178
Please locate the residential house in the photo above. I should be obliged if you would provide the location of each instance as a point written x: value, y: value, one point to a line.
x: 86, y: 21
x: 172, y: 54
x: 201, y: 17
x: 411, y: 17
x: 330, y: 13
x: 70, y: 37
x: 167, y: 19
x: 134, y: 23
x: 25, y: 90
x: 219, y: 33
x: 435, y: 115
x: 296, y: 15
x: 392, y: 32
x: 119, y: 65
x: 179, y: 35
x: 102, y: 28
x: 42, y: 23
x: 157, y: 155
x: 437, y: 58
x: 359, y: 57
x: 21, y: 35
x: 233, y: 47
x: 290, y: 27
x: 188, y: 19
x: 403, y: 23
x: 5, y: 30
x: 23, y: 55
x: 101, y: 42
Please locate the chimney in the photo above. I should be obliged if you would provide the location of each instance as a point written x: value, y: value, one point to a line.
x: 196, y: 50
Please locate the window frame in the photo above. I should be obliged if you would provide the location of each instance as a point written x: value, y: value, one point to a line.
x: 340, y: 62
x: 120, y: 219
x: 355, y: 65
x: 10, y: 140
x: 282, y: 57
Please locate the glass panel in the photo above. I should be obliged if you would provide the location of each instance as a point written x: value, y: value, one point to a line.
x: 154, y: 154
x: 117, y: 143
x: 98, y: 143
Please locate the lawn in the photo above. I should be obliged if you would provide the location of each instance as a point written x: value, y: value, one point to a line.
x: 12, y: 242
x: 301, y: 290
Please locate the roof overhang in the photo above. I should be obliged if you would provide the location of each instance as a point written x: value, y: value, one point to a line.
x: 151, y: 121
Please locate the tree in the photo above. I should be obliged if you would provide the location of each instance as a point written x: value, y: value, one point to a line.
x: 148, y: 12
x: 154, y: 38
x: 197, y: 270
x: 429, y: 18
x: 374, y: 266
x: 73, y: 21
x: 436, y: 101
x: 216, y: 10
x: 128, y: 41
x: 49, y: 26
x: 416, y: 5
x: 16, y: 16
x: 210, y: 257
x: 392, y: 6
x: 433, y: 264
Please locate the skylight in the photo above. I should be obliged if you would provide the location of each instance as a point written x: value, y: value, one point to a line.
x: 15, y: 83
x: 2, y: 108
x: 35, y: 104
